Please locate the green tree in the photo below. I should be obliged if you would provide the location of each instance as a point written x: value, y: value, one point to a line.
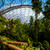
x: 37, y: 7
x: 47, y: 20
x: 31, y: 20
x: 2, y: 23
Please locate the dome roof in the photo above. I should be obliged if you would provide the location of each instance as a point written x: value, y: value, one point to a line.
x: 4, y: 4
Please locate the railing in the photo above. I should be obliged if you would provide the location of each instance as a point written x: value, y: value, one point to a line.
x: 12, y: 47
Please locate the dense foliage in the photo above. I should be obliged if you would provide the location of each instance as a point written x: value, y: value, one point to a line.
x: 38, y: 29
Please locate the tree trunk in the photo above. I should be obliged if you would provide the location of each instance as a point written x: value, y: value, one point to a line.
x: 36, y: 26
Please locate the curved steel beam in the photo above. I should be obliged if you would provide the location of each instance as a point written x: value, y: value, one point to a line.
x: 14, y: 7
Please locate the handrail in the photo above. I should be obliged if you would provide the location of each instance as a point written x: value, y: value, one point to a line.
x: 13, y: 42
x: 11, y: 46
x: 19, y: 43
x: 8, y: 44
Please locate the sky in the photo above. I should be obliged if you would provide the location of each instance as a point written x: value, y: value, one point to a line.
x: 17, y: 2
x: 22, y: 13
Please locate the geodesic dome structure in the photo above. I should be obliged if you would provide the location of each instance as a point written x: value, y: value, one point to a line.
x: 16, y: 9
